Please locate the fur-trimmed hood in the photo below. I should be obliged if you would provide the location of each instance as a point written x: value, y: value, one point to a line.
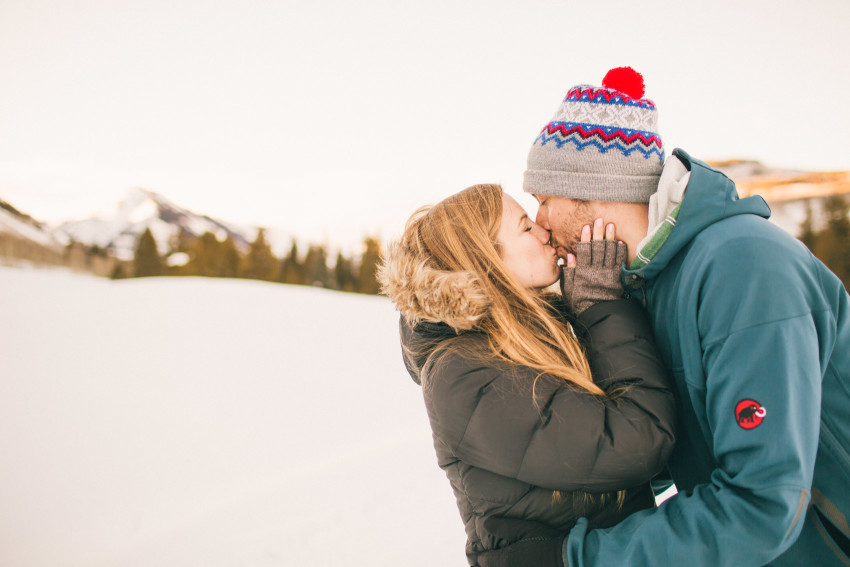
x: 422, y: 292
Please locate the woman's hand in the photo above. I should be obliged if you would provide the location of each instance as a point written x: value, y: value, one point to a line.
x: 593, y: 274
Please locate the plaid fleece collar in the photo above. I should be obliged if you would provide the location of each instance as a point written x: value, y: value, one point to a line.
x: 651, y: 248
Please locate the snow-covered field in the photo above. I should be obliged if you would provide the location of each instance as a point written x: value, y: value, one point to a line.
x: 184, y: 422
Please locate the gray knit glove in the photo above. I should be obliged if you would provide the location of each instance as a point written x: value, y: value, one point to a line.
x: 596, y: 276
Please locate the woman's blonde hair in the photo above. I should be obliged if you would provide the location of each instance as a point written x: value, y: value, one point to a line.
x: 446, y: 268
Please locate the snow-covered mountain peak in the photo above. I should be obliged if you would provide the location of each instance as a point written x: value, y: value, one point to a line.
x: 118, y: 228
x: 139, y: 204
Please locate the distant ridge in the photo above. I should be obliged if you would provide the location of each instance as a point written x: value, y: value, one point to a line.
x: 22, y: 225
x: 95, y: 243
x: 788, y: 192
x: 752, y: 177
x: 26, y: 240
x: 118, y: 229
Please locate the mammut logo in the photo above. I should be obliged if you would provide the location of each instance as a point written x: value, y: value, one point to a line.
x: 749, y: 414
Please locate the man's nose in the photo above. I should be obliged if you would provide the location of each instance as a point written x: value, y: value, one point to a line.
x: 542, y: 219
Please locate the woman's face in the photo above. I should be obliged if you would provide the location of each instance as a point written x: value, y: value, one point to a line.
x: 525, y: 249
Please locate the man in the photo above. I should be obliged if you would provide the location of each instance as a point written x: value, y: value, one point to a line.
x: 756, y: 332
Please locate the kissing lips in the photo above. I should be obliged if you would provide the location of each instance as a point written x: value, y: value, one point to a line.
x: 559, y: 250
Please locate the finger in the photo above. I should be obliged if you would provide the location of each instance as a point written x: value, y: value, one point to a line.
x: 584, y: 254
x: 597, y: 229
x: 622, y: 252
x: 609, y: 231
x: 597, y: 252
x: 571, y: 261
x: 610, y: 253
x: 585, y: 233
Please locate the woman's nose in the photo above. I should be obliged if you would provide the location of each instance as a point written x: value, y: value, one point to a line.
x: 542, y: 233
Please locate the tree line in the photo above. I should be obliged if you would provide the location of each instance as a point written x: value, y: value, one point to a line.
x: 208, y: 256
x: 831, y: 243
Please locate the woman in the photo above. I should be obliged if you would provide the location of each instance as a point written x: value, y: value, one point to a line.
x: 540, y: 414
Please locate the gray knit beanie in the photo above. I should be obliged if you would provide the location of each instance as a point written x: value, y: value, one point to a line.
x: 601, y: 145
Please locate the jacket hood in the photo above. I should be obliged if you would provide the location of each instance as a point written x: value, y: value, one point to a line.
x: 710, y: 197
x: 417, y: 344
x: 422, y: 292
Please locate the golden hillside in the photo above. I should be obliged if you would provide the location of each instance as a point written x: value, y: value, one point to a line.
x: 776, y: 185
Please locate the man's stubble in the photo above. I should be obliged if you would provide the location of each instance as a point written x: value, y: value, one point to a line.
x: 567, y: 234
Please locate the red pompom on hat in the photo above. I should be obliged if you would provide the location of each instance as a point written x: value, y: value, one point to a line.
x: 626, y: 80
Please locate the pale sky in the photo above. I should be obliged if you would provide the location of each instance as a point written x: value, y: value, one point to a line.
x: 335, y: 119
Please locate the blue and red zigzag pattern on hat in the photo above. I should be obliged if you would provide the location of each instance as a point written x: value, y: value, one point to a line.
x: 622, y: 87
x: 604, y: 138
x: 586, y: 93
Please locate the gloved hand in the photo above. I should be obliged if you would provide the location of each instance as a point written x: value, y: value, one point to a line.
x: 540, y: 546
x: 594, y: 274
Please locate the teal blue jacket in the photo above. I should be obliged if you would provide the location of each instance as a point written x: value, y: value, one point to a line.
x: 757, y: 333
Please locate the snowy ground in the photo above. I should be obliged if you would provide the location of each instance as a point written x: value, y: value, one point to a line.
x: 181, y: 422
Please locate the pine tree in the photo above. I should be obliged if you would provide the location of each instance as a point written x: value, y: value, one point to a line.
x: 807, y: 229
x: 183, y: 241
x: 344, y: 279
x: 147, y: 261
x: 229, y: 258
x: 291, y: 269
x: 117, y: 272
x: 367, y: 278
x: 260, y: 263
x: 205, y: 256
x: 316, y: 266
x: 832, y: 244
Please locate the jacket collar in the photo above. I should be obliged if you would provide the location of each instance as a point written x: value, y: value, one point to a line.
x: 709, y: 197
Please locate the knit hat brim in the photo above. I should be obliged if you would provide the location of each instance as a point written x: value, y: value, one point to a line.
x: 591, y: 186
x: 591, y: 175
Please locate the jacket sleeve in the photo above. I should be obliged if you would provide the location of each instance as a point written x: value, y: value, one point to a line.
x: 758, y: 333
x: 561, y: 438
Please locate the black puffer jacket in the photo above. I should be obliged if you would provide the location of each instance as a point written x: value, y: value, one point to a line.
x: 524, y: 467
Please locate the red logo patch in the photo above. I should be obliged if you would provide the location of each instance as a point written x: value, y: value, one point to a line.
x: 749, y: 414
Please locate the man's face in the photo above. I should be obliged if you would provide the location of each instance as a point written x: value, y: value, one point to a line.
x: 563, y: 218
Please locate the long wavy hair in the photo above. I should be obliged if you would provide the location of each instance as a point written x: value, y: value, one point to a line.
x: 446, y: 267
